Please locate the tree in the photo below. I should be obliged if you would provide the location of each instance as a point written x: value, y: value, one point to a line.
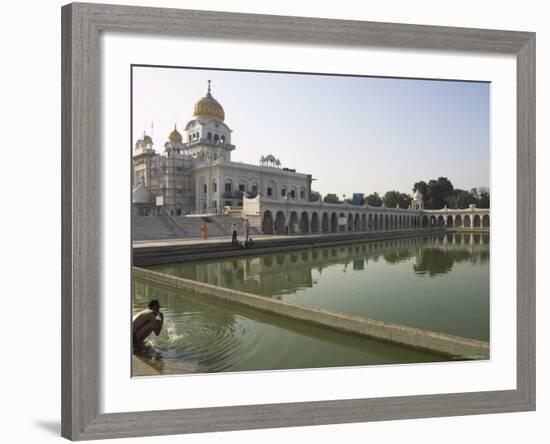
x: 451, y: 201
x: 463, y: 199
x: 441, y: 192
x: 437, y: 193
x: 421, y: 186
x: 445, y: 185
x: 484, y: 200
x: 373, y: 200
x: 393, y: 199
x: 405, y: 200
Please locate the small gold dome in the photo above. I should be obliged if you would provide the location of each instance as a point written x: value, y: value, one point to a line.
x: 208, y: 106
x: 175, y: 136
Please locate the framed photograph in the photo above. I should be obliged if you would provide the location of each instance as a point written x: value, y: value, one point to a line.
x: 278, y: 221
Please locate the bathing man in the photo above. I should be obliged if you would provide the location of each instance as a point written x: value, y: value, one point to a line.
x: 145, y: 323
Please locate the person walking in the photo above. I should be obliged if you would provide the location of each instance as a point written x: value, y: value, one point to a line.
x: 234, y: 240
x: 246, y: 226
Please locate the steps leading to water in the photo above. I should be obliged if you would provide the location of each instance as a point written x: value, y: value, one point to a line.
x: 185, y: 227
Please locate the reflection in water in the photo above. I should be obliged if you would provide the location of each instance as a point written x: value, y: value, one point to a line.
x: 211, y: 336
x: 435, y: 262
x: 438, y: 283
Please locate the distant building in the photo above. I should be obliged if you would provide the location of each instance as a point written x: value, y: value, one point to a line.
x: 358, y: 199
x: 195, y: 173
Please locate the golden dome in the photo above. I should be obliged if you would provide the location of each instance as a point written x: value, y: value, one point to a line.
x: 208, y: 106
x: 175, y: 136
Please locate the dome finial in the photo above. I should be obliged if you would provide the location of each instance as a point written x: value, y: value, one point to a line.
x: 208, y: 86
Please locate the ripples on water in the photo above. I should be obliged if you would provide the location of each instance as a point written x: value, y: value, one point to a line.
x: 207, y: 337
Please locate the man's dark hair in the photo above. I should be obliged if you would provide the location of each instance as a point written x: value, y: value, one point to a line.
x: 154, y: 303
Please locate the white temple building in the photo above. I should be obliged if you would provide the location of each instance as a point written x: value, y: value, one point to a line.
x: 195, y: 174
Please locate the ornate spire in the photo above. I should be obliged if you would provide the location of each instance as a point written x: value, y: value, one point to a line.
x: 208, y: 86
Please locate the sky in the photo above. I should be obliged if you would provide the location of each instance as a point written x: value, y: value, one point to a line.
x: 353, y: 134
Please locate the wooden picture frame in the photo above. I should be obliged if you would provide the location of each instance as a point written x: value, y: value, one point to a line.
x: 81, y: 167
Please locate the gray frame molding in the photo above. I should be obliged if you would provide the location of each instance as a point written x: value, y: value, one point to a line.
x: 81, y: 166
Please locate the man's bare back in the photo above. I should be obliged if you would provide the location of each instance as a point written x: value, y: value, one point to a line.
x: 145, y: 323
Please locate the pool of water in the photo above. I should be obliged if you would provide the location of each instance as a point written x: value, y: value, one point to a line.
x: 437, y: 283
x: 208, y: 335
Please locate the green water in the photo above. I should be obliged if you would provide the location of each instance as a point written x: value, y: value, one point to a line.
x: 437, y: 283
x: 213, y: 336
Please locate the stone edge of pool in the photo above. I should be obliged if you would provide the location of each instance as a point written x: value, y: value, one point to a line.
x: 425, y: 340
x: 140, y: 367
x: 143, y: 366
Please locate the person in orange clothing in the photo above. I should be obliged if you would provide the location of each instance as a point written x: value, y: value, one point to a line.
x: 203, y: 231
